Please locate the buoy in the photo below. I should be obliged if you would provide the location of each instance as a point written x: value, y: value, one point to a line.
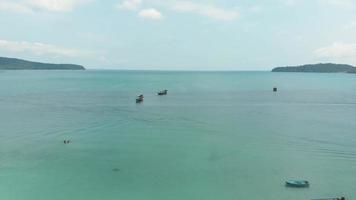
x: 275, y: 89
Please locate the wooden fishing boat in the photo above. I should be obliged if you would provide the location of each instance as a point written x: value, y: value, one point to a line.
x: 163, y: 92
x: 139, y: 99
x: 297, y: 183
x: 331, y: 198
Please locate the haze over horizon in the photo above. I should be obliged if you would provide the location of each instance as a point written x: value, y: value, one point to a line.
x: 179, y: 35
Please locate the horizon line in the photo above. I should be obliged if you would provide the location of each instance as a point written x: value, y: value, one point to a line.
x: 178, y: 70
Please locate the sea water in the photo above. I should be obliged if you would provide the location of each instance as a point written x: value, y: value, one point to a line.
x: 215, y: 136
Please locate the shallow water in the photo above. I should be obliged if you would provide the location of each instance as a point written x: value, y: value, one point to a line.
x: 216, y: 135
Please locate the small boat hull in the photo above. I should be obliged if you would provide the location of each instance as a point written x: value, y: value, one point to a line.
x: 297, y: 183
x: 163, y: 92
x: 139, y: 99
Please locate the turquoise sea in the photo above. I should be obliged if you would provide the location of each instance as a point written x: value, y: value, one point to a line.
x: 215, y: 136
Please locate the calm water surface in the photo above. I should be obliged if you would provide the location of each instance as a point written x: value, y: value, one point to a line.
x: 216, y: 136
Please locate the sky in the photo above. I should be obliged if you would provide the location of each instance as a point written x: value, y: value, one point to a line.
x: 179, y: 34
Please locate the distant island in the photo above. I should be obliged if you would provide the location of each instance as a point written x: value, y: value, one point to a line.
x: 18, y: 64
x: 318, y: 68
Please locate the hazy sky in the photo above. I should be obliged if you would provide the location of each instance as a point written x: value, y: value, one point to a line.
x: 176, y: 34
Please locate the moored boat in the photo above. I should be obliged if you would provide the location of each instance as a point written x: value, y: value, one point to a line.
x: 297, y: 183
x: 139, y: 99
x: 332, y: 198
x: 163, y: 92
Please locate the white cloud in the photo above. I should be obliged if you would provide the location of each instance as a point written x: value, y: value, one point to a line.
x: 205, y: 10
x: 255, y: 9
x: 29, y: 6
x: 14, y: 7
x: 339, y: 3
x: 129, y: 5
x: 55, y: 5
x: 135, y: 5
x: 208, y: 10
x: 290, y: 2
x: 40, y: 49
x: 150, y: 13
x: 350, y: 26
x: 337, y: 50
x: 329, y: 3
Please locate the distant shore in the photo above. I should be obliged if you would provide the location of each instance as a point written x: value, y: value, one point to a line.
x: 318, y: 68
x: 19, y: 64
